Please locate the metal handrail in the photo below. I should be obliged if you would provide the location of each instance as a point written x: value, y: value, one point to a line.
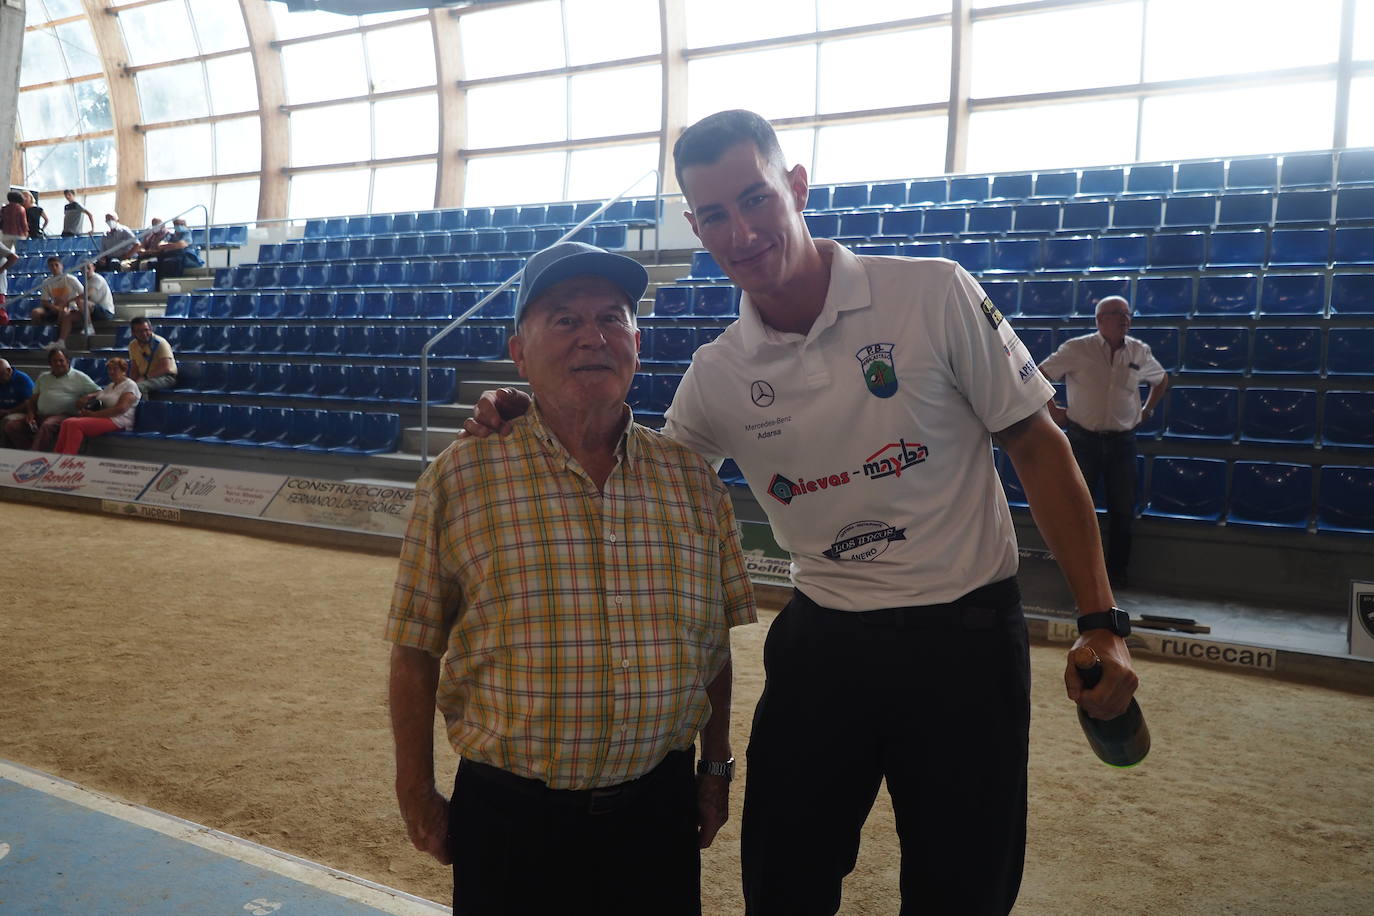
x: 507, y: 284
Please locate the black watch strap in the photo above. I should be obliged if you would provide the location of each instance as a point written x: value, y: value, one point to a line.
x: 1114, y: 619
x: 717, y: 768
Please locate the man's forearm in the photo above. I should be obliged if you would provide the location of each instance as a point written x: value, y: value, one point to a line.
x: 715, y: 734
x: 414, y: 680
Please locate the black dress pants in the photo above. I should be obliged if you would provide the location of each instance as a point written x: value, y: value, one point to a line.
x: 1111, y: 458
x: 934, y: 699
x: 521, y: 849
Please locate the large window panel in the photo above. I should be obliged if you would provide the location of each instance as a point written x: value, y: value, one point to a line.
x: 41, y: 61
x: 233, y: 84
x: 884, y: 149
x: 101, y: 162
x: 337, y: 133
x: 166, y: 203
x: 401, y: 58
x: 885, y: 71
x: 638, y: 95
x: 799, y: 147
x: 53, y: 167
x: 1263, y: 119
x: 172, y: 93
x: 1360, y: 128
x: 724, y: 22
x: 236, y: 201
x: 1182, y: 36
x: 512, y: 114
x: 316, y: 194
x: 526, y: 178
x: 1050, y: 52
x: 50, y: 112
x: 312, y: 22
x: 733, y: 81
x: 158, y: 32
x: 93, y: 105
x: 404, y: 187
x: 1052, y: 136
x: 60, y: 9
x: 78, y: 47
x: 1363, y: 46
x: 219, y: 25
x: 99, y: 205
x: 598, y: 174
x: 516, y: 39
x: 238, y: 146
x: 837, y: 14
x: 405, y: 127
x: 178, y: 152
x: 635, y: 33
x: 332, y: 68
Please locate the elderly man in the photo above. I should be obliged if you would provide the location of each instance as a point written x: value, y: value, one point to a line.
x: 578, y: 580
x: 173, y: 251
x: 15, y: 388
x: 55, y: 395
x: 59, y: 301
x: 151, y: 362
x: 119, y: 242
x: 1103, y: 373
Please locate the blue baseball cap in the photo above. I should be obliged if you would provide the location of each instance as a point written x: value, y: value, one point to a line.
x: 578, y: 259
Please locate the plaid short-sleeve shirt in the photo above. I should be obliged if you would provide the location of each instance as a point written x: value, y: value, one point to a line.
x: 578, y: 628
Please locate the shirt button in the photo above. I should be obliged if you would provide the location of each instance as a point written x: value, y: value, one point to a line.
x: 611, y: 538
x: 619, y: 599
x: 625, y: 663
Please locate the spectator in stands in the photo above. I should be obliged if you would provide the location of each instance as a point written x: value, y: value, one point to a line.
x: 1103, y: 373
x: 71, y: 216
x: 150, y: 357
x: 907, y: 356
x: 98, y: 301
x: 494, y: 579
x: 15, y: 388
x: 174, y: 253
x: 54, y: 399
x: 112, y: 408
x: 38, y: 220
x: 157, y: 231
x: 119, y: 241
x: 59, y: 301
x: 14, y: 222
x: 9, y: 258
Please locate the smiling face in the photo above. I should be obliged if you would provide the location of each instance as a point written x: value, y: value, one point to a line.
x: 143, y: 332
x: 57, y: 362
x: 1113, y: 320
x: 747, y: 211
x: 578, y: 346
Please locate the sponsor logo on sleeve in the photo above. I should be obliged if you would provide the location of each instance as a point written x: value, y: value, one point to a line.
x: 879, y: 369
x: 1026, y: 371
x: 888, y: 461
x: 991, y: 313
x: 864, y: 541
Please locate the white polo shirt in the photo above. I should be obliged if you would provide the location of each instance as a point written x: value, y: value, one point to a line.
x: 1103, y: 387
x: 867, y: 439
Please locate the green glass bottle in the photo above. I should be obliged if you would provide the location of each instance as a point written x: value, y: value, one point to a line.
x: 1120, y: 742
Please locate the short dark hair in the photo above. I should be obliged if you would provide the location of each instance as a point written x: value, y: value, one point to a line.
x: 70, y: 191
x: 15, y: 197
x: 141, y: 319
x: 51, y: 258
x: 707, y: 140
x: 54, y: 352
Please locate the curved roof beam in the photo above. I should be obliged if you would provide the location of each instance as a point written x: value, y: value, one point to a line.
x: 276, y: 141
x: 114, y: 57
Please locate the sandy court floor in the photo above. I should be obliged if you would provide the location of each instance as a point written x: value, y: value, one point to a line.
x: 241, y: 683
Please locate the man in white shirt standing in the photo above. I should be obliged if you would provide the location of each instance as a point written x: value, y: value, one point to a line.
x: 1103, y: 373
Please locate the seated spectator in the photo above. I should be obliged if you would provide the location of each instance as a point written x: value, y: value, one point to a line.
x: 98, y: 301
x: 38, y: 220
x: 174, y: 252
x: 59, y: 301
x: 9, y: 257
x: 14, y: 222
x: 150, y: 358
x: 71, y: 216
x: 54, y: 398
x: 107, y: 410
x: 153, y: 236
x: 15, y: 388
x: 119, y: 243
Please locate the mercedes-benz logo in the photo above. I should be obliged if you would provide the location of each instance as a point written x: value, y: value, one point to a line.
x: 762, y: 393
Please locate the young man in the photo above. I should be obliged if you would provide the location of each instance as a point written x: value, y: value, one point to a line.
x: 579, y: 580
x: 902, y: 654
x: 97, y: 301
x: 59, y: 301
x: 71, y: 216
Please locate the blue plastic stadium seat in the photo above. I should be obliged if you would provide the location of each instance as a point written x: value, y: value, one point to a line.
x: 1046, y: 299
x: 487, y: 343
x: 1163, y: 343
x: 1353, y: 246
x: 1163, y: 297
x: 1016, y: 255
x: 945, y: 220
x: 1056, y: 184
x: 1202, y: 413
x: 927, y: 191
x: 671, y: 301
x: 1220, y: 350
x: 1068, y: 253
x: 969, y: 188
x: 364, y: 383
x: 214, y: 338
x: 304, y: 430
x: 1011, y: 187
x: 385, y: 340
x: 1208, y: 175
x: 480, y: 217
x: 704, y: 266
x: 1270, y: 495
x: 243, y: 338
x: 713, y: 301
x: 1287, y: 351
x: 177, y: 306
x: 1085, y: 215
x: 1246, y: 209
x: 241, y: 378
x: 1150, y: 179
x: 1279, y: 416
x: 384, y: 246
x: 638, y: 395
x: 1178, y: 250
x: 356, y: 339
x: 314, y: 228
x: 319, y: 305
x: 1182, y: 212
x: 859, y: 225
x: 1306, y: 169
x: 1011, y: 483
x: 1187, y: 489
x: 1356, y: 167
x: 1036, y: 218
x: 270, y: 379
x: 849, y: 196
x: 662, y: 389
x: 886, y: 194
x: 313, y: 250
x: 974, y: 255
x: 816, y: 199
x: 921, y: 250
x: 436, y: 304
x: 375, y: 304
x: 270, y: 427
x: 1232, y: 297
x: 336, y: 249
x: 293, y: 305
x: 298, y: 340
x: 1293, y: 294
x: 181, y: 418
x: 1350, y: 351
x: 151, y: 418
x: 1354, y: 205
x: 1345, y: 500
x: 414, y: 338
x: 291, y: 276
x: 1348, y: 419
x: 993, y: 220
x: 381, y: 432
x: 405, y: 303
x: 332, y: 381
x: 1039, y: 341
x: 342, y: 429
x: 1245, y: 248
x: 1352, y: 294
x: 901, y: 223
x: 1120, y: 252
x: 242, y: 305
x: 328, y: 339
x: 675, y: 344
x: 1005, y: 294
x: 1105, y: 181
x: 1260, y: 172
x: 1299, y: 247
x: 1138, y: 213
x: 1303, y: 207
x: 348, y: 304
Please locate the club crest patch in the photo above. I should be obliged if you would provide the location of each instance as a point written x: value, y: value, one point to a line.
x: 879, y: 369
x: 991, y: 312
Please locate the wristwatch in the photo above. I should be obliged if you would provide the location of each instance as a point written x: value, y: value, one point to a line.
x: 715, y: 768
x: 1114, y: 619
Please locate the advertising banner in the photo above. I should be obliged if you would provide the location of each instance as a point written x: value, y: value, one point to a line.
x: 379, y: 508
x: 80, y: 475
x: 213, y: 490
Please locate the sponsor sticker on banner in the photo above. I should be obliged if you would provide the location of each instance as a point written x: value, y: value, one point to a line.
x: 213, y: 490
x: 373, y: 507
x: 79, y: 475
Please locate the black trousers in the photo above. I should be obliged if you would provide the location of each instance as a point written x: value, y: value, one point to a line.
x: 522, y: 849
x: 934, y: 699
x: 1111, y: 458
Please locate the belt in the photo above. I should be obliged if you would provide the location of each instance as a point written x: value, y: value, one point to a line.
x: 978, y: 610
x: 1106, y: 434
x: 604, y: 800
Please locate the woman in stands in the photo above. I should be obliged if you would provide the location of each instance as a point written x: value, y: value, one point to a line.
x: 112, y: 408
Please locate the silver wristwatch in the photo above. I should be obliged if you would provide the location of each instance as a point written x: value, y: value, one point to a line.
x: 715, y: 768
